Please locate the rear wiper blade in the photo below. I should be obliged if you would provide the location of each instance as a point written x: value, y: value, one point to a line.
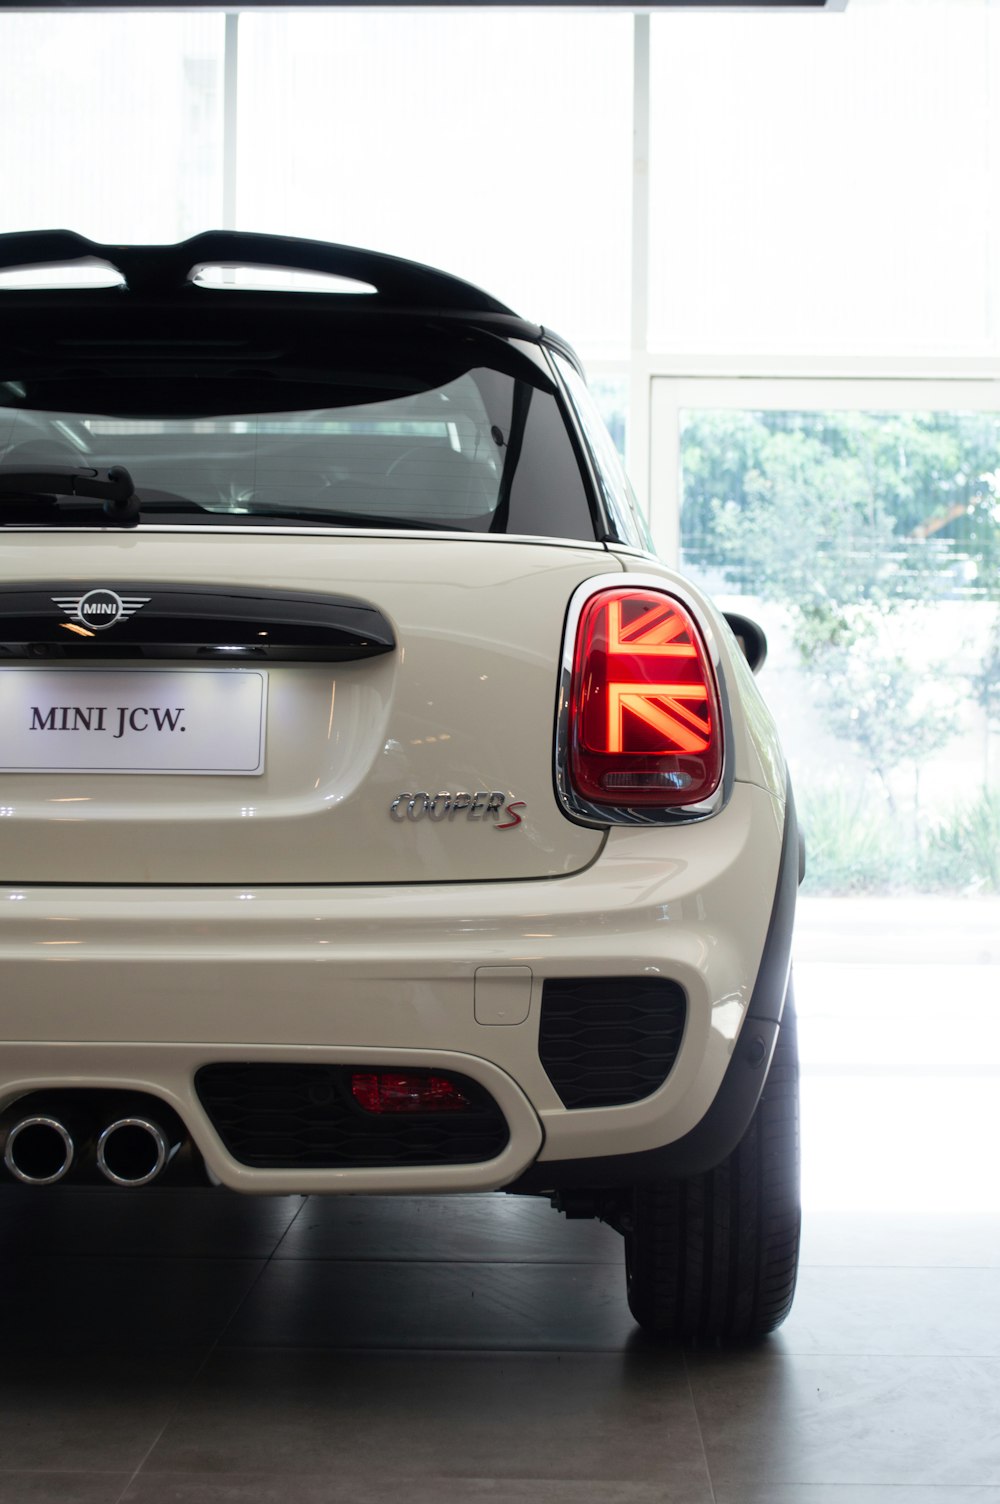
x: 121, y: 505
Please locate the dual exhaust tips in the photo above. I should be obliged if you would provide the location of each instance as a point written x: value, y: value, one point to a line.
x: 131, y: 1151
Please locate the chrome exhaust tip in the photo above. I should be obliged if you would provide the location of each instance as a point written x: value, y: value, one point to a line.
x: 133, y: 1151
x: 39, y: 1150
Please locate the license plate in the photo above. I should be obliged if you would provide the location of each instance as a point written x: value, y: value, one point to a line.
x: 208, y: 721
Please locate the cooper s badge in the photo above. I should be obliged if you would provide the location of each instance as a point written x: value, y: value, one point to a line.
x: 483, y: 805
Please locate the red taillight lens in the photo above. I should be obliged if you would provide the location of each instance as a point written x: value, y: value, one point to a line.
x: 644, y: 710
x: 406, y: 1091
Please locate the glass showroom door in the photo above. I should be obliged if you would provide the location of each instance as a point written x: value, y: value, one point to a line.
x: 859, y: 522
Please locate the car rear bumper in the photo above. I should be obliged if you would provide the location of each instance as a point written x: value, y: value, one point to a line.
x: 137, y: 988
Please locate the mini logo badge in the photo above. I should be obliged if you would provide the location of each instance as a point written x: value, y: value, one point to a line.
x: 100, y: 608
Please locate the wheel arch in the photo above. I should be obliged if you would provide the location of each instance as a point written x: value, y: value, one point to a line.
x: 720, y: 1130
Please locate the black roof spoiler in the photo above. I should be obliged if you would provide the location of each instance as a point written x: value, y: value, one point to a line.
x: 165, y: 270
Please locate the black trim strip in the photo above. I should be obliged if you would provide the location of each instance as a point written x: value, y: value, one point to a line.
x: 194, y: 621
x: 278, y: 5
x: 728, y: 1118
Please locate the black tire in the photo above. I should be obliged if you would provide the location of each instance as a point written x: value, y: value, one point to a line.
x: 713, y: 1258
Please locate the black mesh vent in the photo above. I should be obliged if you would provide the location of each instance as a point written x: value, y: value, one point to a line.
x: 610, y: 1040
x: 304, y: 1117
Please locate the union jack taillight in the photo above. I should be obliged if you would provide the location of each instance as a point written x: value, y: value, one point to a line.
x: 644, y: 715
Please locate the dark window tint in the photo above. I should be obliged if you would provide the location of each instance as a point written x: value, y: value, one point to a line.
x: 416, y: 436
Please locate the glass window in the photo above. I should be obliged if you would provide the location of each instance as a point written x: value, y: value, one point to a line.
x: 372, y: 443
x: 867, y: 543
x: 620, y: 504
x: 825, y: 183
x: 485, y: 144
x: 112, y: 124
x: 609, y: 390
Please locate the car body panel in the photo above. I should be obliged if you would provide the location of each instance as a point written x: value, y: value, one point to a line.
x: 131, y: 987
x: 464, y: 704
x: 396, y: 883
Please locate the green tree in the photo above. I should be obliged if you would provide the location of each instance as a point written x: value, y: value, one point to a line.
x: 830, y: 511
x: 878, y: 701
x: 845, y: 519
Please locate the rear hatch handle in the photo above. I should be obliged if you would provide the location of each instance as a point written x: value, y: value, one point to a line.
x: 136, y: 619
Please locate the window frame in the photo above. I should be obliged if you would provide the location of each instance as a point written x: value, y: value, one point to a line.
x: 672, y: 395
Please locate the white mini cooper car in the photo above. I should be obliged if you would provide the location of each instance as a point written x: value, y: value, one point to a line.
x: 378, y: 812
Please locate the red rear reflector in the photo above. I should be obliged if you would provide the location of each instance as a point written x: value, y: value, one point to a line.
x: 644, y: 710
x: 405, y: 1091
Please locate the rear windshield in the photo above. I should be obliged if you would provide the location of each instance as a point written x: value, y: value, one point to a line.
x: 476, y: 450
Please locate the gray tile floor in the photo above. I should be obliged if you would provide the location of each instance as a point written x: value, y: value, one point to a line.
x: 194, y: 1347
